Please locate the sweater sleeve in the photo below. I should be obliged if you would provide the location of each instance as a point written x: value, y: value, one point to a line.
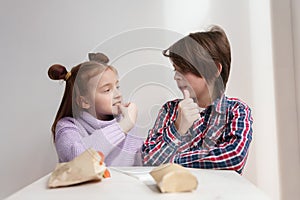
x: 70, y: 143
x: 133, y: 142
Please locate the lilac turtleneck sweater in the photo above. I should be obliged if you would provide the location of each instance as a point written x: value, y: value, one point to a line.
x: 74, y: 136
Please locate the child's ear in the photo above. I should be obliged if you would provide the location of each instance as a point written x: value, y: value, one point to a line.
x: 83, y: 102
x: 219, y: 68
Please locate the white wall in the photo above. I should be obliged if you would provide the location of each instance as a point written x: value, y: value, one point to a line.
x: 36, y: 34
x: 263, y: 91
x: 295, y: 7
x: 285, y: 52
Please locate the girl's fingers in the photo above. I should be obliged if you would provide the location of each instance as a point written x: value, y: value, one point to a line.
x: 122, y: 109
x: 126, y: 104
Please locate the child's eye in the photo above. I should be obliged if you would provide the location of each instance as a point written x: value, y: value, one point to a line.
x: 107, y: 90
x: 118, y: 87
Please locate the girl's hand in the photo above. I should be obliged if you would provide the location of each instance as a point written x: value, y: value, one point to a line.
x: 188, y: 112
x: 129, y: 112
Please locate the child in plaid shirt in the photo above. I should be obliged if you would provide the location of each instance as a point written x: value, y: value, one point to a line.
x: 205, y: 129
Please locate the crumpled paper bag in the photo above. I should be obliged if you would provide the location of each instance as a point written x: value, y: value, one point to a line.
x: 172, y: 177
x: 88, y: 166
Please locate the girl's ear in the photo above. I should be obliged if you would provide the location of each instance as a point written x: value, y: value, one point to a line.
x: 83, y: 102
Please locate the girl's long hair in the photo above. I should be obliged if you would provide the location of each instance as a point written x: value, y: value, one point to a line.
x: 76, y: 84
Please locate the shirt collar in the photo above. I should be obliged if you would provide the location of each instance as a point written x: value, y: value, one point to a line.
x: 220, y: 104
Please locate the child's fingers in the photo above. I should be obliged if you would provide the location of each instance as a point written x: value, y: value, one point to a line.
x: 122, y: 109
x: 126, y: 104
x: 186, y: 94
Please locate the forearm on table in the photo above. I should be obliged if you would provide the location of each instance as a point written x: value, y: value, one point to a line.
x: 161, y: 145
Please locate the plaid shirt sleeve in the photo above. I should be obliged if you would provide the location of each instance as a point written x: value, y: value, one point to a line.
x: 229, y: 150
x: 231, y: 147
x: 163, y: 140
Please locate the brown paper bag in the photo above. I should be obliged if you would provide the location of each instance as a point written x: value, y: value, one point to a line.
x: 88, y: 166
x: 174, y: 178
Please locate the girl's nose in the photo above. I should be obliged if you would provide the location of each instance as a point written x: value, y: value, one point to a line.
x: 117, y: 93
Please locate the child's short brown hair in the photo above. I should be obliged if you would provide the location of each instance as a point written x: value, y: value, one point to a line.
x: 199, y: 53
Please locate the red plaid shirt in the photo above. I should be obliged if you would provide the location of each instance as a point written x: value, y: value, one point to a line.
x: 219, y: 139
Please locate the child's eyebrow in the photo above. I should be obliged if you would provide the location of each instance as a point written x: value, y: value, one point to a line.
x: 105, y: 85
x: 175, y: 66
x: 109, y: 84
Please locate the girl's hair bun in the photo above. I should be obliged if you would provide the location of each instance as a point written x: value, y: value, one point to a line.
x: 98, y: 57
x: 57, y: 72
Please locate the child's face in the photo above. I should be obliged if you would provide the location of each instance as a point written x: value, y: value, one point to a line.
x: 197, y: 86
x: 105, y: 96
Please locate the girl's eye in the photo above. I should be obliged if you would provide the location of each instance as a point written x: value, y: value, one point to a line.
x: 118, y: 87
x: 107, y: 90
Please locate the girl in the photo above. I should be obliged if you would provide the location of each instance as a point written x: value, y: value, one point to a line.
x: 206, y: 129
x: 92, y: 114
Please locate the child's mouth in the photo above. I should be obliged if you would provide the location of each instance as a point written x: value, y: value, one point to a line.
x: 117, y: 103
x: 183, y: 88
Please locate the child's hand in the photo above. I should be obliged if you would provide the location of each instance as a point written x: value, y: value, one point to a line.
x: 129, y: 113
x: 188, y: 112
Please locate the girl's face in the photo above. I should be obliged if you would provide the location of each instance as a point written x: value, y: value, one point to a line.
x: 104, y: 95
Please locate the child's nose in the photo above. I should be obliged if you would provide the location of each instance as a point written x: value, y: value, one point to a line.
x: 117, y: 93
x: 177, y: 76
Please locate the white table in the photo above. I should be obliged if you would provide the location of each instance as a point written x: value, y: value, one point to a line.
x: 135, y: 183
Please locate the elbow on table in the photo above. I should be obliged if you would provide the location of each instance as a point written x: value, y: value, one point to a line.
x: 238, y: 163
x: 68, y: 152
x: 150, y: 161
